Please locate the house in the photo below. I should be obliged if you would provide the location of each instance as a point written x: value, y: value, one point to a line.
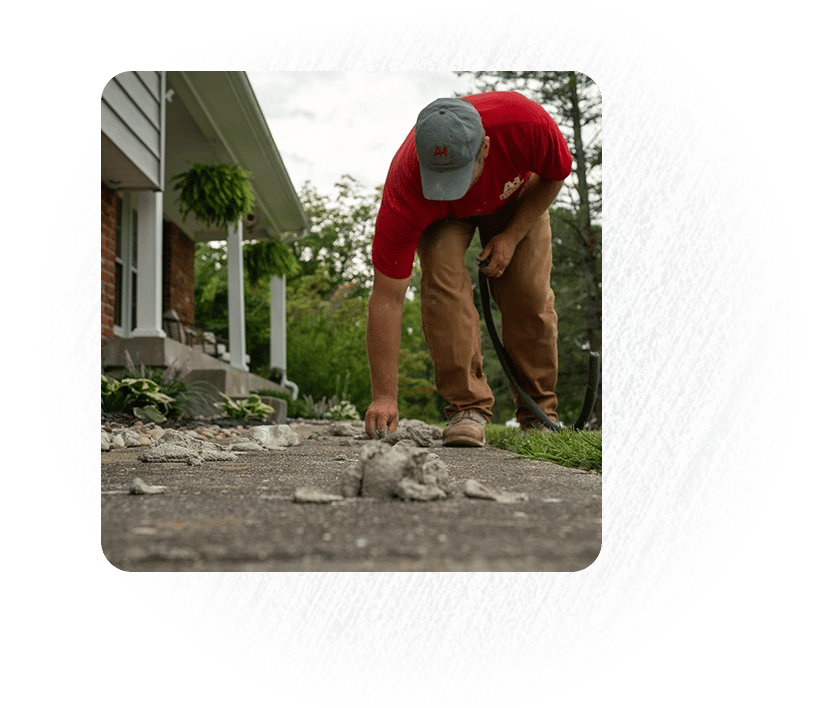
x: 154, y: 124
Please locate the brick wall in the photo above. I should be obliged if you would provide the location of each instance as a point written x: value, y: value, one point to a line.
x: 179, y: 272
x: 108, y: 260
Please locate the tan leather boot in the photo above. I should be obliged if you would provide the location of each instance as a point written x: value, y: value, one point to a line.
x: 465, y: 429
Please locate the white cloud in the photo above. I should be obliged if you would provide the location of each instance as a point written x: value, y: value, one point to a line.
x: 327, y: 124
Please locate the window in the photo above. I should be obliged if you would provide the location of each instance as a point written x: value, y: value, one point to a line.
x: 127, y: 224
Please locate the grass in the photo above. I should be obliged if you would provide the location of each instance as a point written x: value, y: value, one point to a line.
x: 582, y: 449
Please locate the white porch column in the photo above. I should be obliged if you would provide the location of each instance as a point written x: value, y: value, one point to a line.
x: 277, y: 320
x: 237, y: 320
x: 148, y: 286
x: 277, y: 338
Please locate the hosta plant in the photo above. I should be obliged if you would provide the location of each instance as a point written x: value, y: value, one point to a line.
x: 140, y: 396
x: 251, y: 407
x: 344, y: 410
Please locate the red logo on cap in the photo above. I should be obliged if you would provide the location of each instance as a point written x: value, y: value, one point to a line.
x: 440, y: 152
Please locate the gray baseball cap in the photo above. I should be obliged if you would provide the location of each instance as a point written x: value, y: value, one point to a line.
x: 448, y: 137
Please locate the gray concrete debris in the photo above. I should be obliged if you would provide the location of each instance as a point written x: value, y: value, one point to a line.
x: 274, y: 437
x: 476, y: 490
x: 310, y: 495
x: 380, y: 470
x: 411, y: 490
x: 346, y: 429
x: 175, y: 446
x: 139, y: 487
x: 246, y: 446
x: 415, y: 431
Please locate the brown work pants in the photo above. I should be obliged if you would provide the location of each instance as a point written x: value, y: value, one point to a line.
x: 524, y: 297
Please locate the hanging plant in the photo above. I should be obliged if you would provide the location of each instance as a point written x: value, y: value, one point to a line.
x: 264, y: 258
x: 218, y: 195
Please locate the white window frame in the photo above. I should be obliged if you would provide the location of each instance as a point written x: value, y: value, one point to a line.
x: 127, y: 260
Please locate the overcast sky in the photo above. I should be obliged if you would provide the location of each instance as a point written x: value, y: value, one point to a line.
x: 327, y: 124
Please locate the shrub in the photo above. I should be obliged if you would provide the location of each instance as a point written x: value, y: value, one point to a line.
x: 191, y: 399
x: 251, y: 407
x: 294, y: 408
x: 344, y: 410
x: 140, y: 396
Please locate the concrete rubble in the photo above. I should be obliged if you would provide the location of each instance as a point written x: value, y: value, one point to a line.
x: 175, y: 446
x: 274, y: 437
x: 310, y: 495
x: 416, y: 431
x: 403, y: 471
x: 140, y: 487
x: 398, y: 467
x: 476, y: 490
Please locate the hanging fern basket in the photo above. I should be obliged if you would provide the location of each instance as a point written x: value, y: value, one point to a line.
x: 217, y: 195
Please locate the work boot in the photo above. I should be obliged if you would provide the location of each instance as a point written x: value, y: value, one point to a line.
x: 465, y: 429
x: 541, y: 427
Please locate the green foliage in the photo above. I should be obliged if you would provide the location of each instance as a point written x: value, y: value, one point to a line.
x: 326, y: 339
x: 341, y: 233
x: 294, y: 408
x: 190, y: 398
x: 218, y: 195
x: 157, y: 394
x: 212, y: 301
x: 344, y: 410
x: 262, y: 259
x: 581, y: 449
x: 140, y: 396
x: 418, y: 397
x: 251, y: 407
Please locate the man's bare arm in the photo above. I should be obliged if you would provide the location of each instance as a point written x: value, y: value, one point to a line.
x: 384, y: 339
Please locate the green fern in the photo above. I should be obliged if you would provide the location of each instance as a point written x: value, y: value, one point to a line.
x: 218, y: 195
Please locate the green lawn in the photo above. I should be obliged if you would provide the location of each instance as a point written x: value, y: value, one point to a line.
x: 582, y: 449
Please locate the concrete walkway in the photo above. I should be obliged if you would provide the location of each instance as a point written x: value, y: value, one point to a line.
x: 239, y: 515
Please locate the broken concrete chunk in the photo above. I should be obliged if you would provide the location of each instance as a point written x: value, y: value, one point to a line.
x: 411, y: 490
x: 476, y: 490
x: 381, y: 468
x: 174, y: 446
x: 274, y: 437
x: 310, y: 495
x: 415, y: 431
x: 137, y: 486
x: 351, y: 480
x: 345, y: 429
x: 246, y: 447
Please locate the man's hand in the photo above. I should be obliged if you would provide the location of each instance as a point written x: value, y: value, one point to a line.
x: 382, y: 417
x: 534, y: 199
x: 497, y: 254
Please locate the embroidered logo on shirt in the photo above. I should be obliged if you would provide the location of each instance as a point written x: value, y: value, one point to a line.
x: 510, y: 187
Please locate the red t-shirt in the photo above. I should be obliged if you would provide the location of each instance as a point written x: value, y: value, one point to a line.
x: 523, y: 139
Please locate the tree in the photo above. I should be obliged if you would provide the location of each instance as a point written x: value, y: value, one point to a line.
x: 574, y: 102
x: 327, y: 307
x: 212, y: 299
x: 341, y: 233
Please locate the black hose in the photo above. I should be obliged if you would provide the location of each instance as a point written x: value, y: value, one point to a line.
x: 506, y: 364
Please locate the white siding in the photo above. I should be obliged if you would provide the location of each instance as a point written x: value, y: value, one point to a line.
x: 132, y: 120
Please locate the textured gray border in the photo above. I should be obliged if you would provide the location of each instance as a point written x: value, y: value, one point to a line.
x: 702, y: 332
